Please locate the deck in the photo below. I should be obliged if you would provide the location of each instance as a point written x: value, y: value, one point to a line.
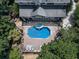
x: 37, y: 43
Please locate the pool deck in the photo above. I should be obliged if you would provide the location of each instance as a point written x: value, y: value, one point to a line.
x: 37, y: 43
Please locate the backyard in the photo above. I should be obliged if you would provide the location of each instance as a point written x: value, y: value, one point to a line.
x: 13, y: 33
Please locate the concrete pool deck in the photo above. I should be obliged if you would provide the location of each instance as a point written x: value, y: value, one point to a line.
x: 37, y: 43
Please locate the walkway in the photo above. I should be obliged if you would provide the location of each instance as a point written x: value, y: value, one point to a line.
x: 30, y: 56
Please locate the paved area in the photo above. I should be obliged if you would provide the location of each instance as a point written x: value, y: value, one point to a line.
x: 30, y: 56
x: 37, y: 43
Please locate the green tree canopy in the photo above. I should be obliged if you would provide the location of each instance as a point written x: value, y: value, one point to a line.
x: 14, y: 54
x: 8, y: 32
x: 65, y: 48
x: 5, y: 26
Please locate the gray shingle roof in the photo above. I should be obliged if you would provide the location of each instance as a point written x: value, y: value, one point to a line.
x: 56, y: 12
x: 25, y: 12
x: 58, y: 1
x: 48, y: 12
x: 23, y: 1
x: 40, y: 11
x: 43, y: 1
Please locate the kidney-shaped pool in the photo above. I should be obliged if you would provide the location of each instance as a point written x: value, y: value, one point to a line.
x: 35, y: 32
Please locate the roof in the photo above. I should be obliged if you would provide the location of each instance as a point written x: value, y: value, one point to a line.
x: 48, y: 12
x: 42, y: 1
x: 58, y: 1
x: 56, y: 12
x: 25, y: 12
x: 40, y: 11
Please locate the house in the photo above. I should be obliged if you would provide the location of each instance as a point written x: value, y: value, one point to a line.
x: 40, y: 10
x: 50, y: 9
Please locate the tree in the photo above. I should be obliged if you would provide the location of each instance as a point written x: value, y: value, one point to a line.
x: 3, y: 6
x: 76, y: 26
x: 4, y: 42
x: 64, y: 48
x: 46, y: 53
x: 3, y: 2
x: 14, y: 54
x: 76, y: 17
x: 8, y: 32
x: 14, y: 35
x: 4, y: 45
x: 14, y: 9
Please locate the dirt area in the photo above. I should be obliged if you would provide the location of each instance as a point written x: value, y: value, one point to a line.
x: 18, y: 23
x: 30, y: 56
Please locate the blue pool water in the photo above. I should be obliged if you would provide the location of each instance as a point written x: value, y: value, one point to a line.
x: 38, y: 25
x: 44, y: 32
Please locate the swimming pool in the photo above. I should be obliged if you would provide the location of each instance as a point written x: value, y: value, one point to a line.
x: 42, y: 32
